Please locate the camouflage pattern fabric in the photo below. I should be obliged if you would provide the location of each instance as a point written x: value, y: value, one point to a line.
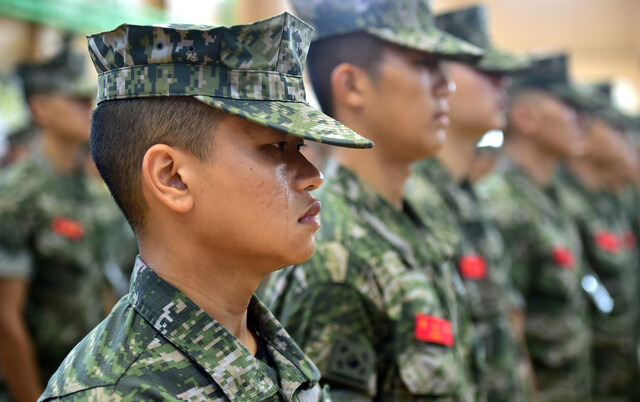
x: 64, y: 73
x: 472, y: 25
x: 485, y: 270
x: 253, y: 71
x: 158, y: 345
x: 614, y: 260
x: 369, y: 307
x: 51, y: 233
x: 546, y: 251
x: 408, y: 23
x: 551, y: 73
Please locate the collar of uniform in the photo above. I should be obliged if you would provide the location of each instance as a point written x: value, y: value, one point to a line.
x: 294, y: 367
x: 238, y: 374
x: 435, y: 170
x: 394, y: 226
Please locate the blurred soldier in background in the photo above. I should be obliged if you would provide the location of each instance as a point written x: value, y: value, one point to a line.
x: 52, y: 287
x: 479, y: 105
x: 585, y: 193
x: 544, y: 244
x: 373, y: 307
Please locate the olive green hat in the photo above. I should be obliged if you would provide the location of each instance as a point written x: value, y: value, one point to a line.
x: 65, y: 73
x: 550, y: 73
x: 472, y: 25
x: 253, y: 71
x: 408, y: 23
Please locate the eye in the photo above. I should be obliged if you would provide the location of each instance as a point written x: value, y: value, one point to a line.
x: 302, y: 146
x: 280, y: 145
x: 430, y: 62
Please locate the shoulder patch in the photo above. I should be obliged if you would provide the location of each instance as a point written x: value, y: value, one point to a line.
x: 350, y: 364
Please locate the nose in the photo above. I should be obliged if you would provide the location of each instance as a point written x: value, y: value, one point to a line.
x: 309, y: 178
x: 443, y: 85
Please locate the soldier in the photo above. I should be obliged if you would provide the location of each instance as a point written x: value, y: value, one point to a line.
x: 479, y: 105
x: 544, y: 243
x: 372, y: 307
x: 198, y: 133
x: 585, y: 194
x: 51, y: 282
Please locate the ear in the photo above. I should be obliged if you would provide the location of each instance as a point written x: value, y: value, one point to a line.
x: 38, y: 108
x: 167, y: 174
x: 526, y: 116
x: 348, y: 84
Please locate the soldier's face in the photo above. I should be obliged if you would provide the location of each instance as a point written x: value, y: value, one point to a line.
x: 66, y: 117
x: 558, y: 128
x: 253, y: 199
x: 406, y: 109
x: 601, y: 143
x: 480, y: 101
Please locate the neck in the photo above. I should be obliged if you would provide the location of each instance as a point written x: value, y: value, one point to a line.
x: 222, y: 287
x: 386, y: 175
x: 588, y: 174
x: 457, y: 153
x: 534, y: 160
x: 64, y: 156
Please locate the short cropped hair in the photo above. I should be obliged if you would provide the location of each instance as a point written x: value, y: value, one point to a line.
x: 123, y: 130
x: 360, y: 49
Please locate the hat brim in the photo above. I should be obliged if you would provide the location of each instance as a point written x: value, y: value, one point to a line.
x: 432, y: 40
x: 295, y: 118
x: 499, y: 61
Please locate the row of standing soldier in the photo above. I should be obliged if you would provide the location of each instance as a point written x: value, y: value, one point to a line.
x: 423, y: 285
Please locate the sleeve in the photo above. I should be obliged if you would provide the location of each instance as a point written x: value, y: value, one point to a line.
x: 339, y: 339
x: 16, y: 222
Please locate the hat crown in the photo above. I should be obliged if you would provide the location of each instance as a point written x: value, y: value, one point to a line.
x: 336, y: 17
x: 550, y: 69
x: 278, y: 44
x: 470, y: 24
x: 63, y: 73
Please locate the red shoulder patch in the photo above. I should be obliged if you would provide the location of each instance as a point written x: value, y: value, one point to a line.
x: 563, y: 257
x: 607, y: 241
x: 67, y: 227
x: 472, y: 266
x: 433, y: 329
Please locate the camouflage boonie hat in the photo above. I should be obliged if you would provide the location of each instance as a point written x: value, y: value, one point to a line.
x: 550, y: 73
x: 408, y: 23
x: 472, y: 25
x: 65, y: 73
x: 252, y: 71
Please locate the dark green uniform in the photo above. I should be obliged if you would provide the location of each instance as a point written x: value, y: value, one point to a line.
x: 484, y: 268
x: 546, y: 251
x: 51, y: 235
x: 370, y: 308
x: 603, y: 233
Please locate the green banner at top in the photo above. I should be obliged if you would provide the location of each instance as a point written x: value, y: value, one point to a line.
x: 81, y: 16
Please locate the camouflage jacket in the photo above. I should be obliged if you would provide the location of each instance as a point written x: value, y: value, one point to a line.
x: 158, y: 345
x: 547, y: 268
x: 368, y: 307
x: 484, y: 268
x: 611, y: 254
x: 51, y: 233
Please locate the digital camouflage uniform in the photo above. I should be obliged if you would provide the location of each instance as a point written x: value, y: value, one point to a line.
x: 612, y: 258
x: 156, y: 343
x: 369, y: 307
x: 53, y: 229
x: 481, y: 259
x: 51, y: 236
x: 385, y: 289
x: 547, y: 268
x: 484, y: 267
x: 176, y: 351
